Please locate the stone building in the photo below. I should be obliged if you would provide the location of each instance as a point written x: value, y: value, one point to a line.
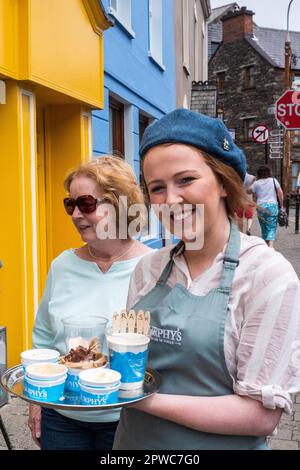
x: 247, y: 64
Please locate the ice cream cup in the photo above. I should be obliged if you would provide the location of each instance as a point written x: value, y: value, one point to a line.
x: 100, y: 378
x: 46, y: 371
x: 131, y: 394
x: 128, y: 355
x: 98, y: 396
x: 34, y: 356
x: 45, y: 390
x: 72, y: 380
x: 72, y: 384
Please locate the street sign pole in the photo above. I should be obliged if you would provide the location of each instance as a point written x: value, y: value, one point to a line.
x: 266, y: 153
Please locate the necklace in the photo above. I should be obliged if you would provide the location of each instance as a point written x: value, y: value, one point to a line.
x: 111, y: 260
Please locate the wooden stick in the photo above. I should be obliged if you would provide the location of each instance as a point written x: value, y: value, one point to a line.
x: 124, y: 320
x: 131, y: 321
x: 116, y: 322
x: 140, y: 322
x: 146, y: 323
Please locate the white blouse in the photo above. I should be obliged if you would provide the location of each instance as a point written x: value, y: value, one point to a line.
x: 262, y: 334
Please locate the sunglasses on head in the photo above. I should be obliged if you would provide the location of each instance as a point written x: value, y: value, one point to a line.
x: 86, y: 204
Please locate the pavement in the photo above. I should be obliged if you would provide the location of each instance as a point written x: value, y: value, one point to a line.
x: 15, y: 414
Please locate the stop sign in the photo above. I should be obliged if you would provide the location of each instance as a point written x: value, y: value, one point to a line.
x: 287, y: 109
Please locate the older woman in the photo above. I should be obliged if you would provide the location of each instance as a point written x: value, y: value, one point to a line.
x: 225, y: 325
x: 92, y: 278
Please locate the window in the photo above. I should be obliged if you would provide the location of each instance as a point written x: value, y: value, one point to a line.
x: 197, y: 54
x: 220, y: 113
x: 221, y: 76
x: 296, y: 83
x: 214, y: 47
x: 296, y: 137
x: 185, y: 36
x: 294, y: 175
x: 121, y: 9
x: 249, y: 81
x: 249, y: 124
x: 116, y: 127
x: 155, y: 31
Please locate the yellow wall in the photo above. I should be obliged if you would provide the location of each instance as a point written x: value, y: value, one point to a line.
x: 68, y: 56
x: 9, y: 38
x: 53, y: 43
x: 63, y: 150
x: 45, y: 130
x: 16, y: 290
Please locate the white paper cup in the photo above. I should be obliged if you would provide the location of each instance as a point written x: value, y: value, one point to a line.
x: 128, y: 355
x: 35, y: 356
x: 46, y: 371
x: 100, y: 378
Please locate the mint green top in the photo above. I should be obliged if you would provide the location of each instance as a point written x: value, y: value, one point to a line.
x: 75, y: 288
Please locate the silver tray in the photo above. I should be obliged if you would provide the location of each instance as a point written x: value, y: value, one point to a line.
x: 13, y: 379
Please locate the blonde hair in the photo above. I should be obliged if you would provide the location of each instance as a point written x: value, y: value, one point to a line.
x: 114, y: 177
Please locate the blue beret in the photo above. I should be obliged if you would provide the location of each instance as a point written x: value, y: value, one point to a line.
x: 206, y: 133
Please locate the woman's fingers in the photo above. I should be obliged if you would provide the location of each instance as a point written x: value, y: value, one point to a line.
x: 34, y: 422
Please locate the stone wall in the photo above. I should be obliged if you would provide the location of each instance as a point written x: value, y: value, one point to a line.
x: 239, y: 103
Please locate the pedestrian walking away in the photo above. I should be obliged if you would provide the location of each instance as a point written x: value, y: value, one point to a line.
x: 82, y: 281
x: 225, y: 324
x: 264, y: 189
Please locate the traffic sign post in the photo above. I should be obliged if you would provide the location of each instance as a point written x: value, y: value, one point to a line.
x: 287, y: 110
x: 260, y: 135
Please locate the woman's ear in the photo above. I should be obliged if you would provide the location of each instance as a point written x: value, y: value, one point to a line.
x: 223, y: 191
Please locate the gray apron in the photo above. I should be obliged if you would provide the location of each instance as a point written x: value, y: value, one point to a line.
x: 187, y: 349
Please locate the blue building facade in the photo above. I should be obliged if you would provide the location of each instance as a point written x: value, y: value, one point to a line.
x: 139, y: 64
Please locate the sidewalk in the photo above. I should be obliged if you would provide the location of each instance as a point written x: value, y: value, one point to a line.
x: 14, y: 414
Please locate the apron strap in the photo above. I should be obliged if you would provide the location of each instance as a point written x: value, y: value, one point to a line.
x: 179, y: 248
x: 231, y: 258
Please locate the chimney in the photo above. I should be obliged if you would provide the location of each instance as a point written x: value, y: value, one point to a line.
x: 237, y: 25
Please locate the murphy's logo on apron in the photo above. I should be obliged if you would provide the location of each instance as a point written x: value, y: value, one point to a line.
x: 166, y: 335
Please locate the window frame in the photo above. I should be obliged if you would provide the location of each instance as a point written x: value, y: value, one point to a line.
x: 249, y: 77
x: 155, y: 25
x: 247, y: 130
x: 221, y: 83
x: 185, y: 37
x: 116, y: 127
x: 118, y: 13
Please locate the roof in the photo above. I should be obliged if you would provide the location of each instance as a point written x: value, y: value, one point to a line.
x: 268, y: 42
x: 217, y: 13
x: 272, y: 42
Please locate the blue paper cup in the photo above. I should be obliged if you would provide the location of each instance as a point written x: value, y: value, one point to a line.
x: 45, y: 391
x: 72, y: 384
x: 100, y: 378
x: 128, y: 355
x: 95, y: 396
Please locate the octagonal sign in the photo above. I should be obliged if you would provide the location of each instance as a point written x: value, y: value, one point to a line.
x: 287, y: 109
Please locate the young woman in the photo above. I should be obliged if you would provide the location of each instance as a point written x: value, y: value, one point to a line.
x: 92, y: 279
x: 224, y: 318
x: 264, y: 189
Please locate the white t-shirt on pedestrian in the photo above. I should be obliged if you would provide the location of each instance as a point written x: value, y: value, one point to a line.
x: 265, y: 191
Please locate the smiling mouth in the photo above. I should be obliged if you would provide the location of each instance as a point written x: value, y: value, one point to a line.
x: 83, y: 227
x: 182, y: 215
